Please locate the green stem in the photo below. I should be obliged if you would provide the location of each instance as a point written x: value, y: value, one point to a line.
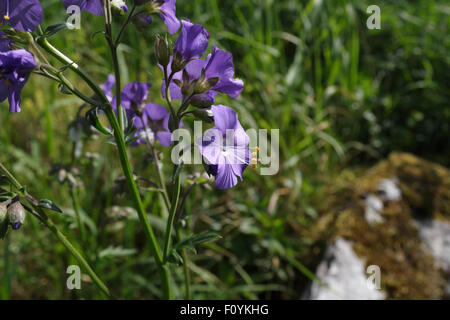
x: 6, y: 288
x: 138, y: 202
x: 126, y: 167
x: 76, y: 207
x: 59, y: 235
x: 172, y: 212
x: 43, y: 42
x: 113, y: 48
x: 124, y: 26
x: 187, y: 276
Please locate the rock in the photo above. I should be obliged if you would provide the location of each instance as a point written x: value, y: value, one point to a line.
x: 343, y: 275
x: 373, y: 207
x: 436, y: 235
x: 396, y: 216
x: 389, y: 190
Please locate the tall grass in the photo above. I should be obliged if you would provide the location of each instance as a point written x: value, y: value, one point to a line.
x: 340, y: 93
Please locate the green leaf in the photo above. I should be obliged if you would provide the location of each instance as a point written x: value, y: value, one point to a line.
x: 92, y: 117
x: 116, y: 252
x: 177, y: 171
x: 197, y: 239
x: 54, y: 28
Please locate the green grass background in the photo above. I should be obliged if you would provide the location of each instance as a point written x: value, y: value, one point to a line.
x: 342, y: 96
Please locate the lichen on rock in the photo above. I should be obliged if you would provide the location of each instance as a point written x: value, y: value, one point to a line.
x: 408, y: 268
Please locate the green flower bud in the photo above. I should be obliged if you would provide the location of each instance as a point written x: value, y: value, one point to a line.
x: 22, y: 37
x: 16, y: 215
x: 162, y: 51
x: 199, y: 102
x: 204, y: 114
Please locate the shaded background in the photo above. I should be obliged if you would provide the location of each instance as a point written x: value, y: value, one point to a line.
x: 343, y: 96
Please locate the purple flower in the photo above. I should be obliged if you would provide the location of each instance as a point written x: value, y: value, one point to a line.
x: 92, y: 6
x: 23, y: 15
x: 5, y: 43
x: 168, y: 11
x: 192, y: 42
x: 15, y: 68
x: 133, y: 96
x: 155, y: 124
x: 217, y: 64
x: 108, y: 87
x: 225, y: 147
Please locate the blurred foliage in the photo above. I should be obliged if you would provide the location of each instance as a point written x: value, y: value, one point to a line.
x: 341, y: 94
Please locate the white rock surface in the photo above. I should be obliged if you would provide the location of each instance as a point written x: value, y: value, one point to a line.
x: 389, y: 189
x: 344, y: 274
x: 436, y: 235
x: 374, y: 206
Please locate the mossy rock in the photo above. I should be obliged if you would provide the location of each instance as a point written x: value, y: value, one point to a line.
x: 408, y: 270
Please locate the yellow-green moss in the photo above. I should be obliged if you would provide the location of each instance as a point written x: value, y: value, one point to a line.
x: 408, y: 271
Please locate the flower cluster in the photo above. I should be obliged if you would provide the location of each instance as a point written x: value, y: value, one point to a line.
x: 190, y: 76
x: 16, y: 65
x: 151, y: 120
x: 198, y: 81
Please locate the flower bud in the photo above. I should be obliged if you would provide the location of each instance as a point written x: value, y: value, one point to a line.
x: 200, y: 102
x: 206, y: 85
x: 162, y: 51
x: 119, y: 7
x: 16, y: 215
x: 204, y: 114
x: 178, y: 63
x: 22, y: 37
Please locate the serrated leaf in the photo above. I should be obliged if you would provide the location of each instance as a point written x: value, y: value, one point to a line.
x: 48, y: 204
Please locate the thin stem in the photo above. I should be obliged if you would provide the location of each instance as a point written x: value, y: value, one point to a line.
x: 43, y: 42
x: 138, y: 202
x: 124, y: 26
x: 126, y: 167
x: 187, y: 276
x: 54, y: 229
x: 173, y: 210
x: 160, y: 175
x: 168, y: 80
x: 113, y: 48
x: 76, y: 207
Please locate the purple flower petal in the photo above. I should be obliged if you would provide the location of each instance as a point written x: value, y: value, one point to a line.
x: 225, y: 147
x: 155, y: 112
x: 225, y: 177
x: 92, y: 6
x: 108, y: 87
x: 24, y: 15
x: 168, y: 9
x: 15, y: 68
x: 192, y: 41
x: 134, y: 93
x: 220, y: 64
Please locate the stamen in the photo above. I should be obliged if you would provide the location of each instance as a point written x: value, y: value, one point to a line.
x: 6, y: 16
x: 254, y: 160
